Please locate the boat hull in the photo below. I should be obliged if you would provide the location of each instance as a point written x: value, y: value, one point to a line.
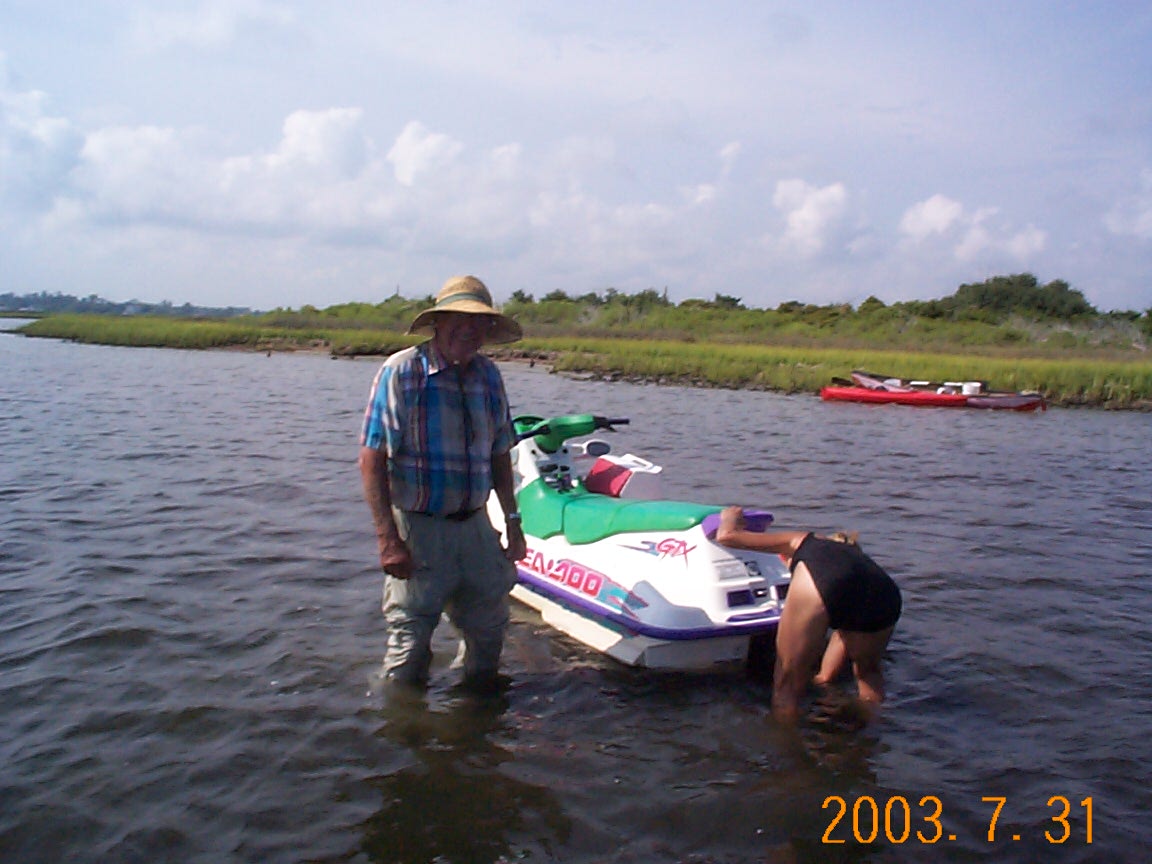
x: 892, y: 397
x: 631, y: 648
x: 928, y: 398
x: 659, y: 600
x: 1009, y: 402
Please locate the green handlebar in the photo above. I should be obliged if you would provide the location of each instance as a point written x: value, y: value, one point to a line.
x: 550, y: 434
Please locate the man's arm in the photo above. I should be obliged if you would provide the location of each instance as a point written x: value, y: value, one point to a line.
x: 502, y: 481
x: 394, y: 556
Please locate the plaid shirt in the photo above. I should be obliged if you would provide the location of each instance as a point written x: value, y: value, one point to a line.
x: 440, y: 426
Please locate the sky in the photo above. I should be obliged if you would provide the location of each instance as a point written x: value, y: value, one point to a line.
x: 277, y: 153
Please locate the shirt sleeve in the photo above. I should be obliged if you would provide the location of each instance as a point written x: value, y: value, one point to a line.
x: 374, y: 432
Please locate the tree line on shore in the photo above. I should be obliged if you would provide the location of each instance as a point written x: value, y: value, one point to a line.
x: 1005, y: 313
x: 1008, y: 312
x: 1011, y: 332
x: 42, y: 302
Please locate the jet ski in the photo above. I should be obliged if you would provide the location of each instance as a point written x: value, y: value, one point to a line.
x: 624, y: 571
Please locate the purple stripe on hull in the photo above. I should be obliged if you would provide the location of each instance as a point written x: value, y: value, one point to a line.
x: 626, y: 625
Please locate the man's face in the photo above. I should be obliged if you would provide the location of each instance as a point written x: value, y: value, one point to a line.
x: 459, y: 335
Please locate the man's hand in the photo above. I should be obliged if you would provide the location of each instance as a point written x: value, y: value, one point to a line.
x: 395, y: 559
x: 516, y: 546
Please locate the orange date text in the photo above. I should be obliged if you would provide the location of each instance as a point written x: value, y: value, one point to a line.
x: 900, y: 820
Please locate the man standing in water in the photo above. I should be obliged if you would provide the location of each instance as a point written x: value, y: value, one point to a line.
x: 435, y: 443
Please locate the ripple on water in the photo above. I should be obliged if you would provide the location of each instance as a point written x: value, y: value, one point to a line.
x: 190, y: 626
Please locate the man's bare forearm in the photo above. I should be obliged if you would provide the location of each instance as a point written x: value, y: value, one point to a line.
x: 377, y: 491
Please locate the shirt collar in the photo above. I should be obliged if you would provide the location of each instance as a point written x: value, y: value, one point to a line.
x: 436, y: 361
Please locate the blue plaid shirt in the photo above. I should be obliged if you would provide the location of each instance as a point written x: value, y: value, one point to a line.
x: 440, y: 425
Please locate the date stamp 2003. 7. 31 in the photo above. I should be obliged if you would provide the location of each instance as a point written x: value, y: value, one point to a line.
x: 867, y: 820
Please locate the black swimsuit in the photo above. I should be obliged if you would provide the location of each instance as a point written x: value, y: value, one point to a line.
x: 858, y: 594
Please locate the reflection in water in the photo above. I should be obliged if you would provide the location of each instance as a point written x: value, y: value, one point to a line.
x: 835, y: 733
x: 458, y: 800
x: 190, y: 608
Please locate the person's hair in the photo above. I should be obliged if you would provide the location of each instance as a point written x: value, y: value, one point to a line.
x: 849, y: 537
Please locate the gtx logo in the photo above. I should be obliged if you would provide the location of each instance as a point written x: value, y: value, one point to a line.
x: 669, y: 547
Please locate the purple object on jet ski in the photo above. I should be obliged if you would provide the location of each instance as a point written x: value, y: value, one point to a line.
x: 754, y: 520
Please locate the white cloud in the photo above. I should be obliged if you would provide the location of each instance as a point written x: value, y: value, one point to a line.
x: 137, y: 174
x: 1027, y: 243
x: 37, y: 149
x: 331, y: 141
x: 811, y: 214
x: 418, y: 151
x: 729, y: 153
x: 1132, y: 216
x: 323, y: 181
x: 971, y: 236
x: 936, y: 215
x: 702, y: 193
x: 319, y: 180
x: 568, y: 149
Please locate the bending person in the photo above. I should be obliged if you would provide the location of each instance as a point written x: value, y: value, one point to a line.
x: 835, y: 586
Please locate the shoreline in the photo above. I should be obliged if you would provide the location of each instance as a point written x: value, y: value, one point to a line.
x: 549, y: 358
x: 1087, y: 384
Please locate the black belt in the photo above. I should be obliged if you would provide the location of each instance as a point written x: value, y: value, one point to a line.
x: 458, y: 516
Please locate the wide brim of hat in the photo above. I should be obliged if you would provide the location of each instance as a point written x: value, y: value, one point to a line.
x: 505, y: 330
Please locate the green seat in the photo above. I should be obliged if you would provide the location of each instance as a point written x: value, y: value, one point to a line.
x: 585, y: 517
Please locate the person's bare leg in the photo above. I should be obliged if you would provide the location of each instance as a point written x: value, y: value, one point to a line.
x: 866, y: 651
x: 799, y: 642
x: 835, y: 658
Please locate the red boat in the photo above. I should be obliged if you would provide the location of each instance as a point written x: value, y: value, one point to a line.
x: 879, y: 389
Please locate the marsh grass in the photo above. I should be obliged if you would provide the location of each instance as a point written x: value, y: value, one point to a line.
x: 158, y: 332
x: 148, y: 332
x: 1075, y: 380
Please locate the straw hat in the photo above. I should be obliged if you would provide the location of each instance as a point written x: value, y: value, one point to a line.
x: 468, y: 294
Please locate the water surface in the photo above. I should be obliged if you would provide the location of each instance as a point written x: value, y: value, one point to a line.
x: 190, y: 634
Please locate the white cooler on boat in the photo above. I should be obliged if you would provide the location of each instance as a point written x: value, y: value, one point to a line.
x: 625, y: 476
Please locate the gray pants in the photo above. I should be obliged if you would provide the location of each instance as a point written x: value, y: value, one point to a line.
x: 458, y: 568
